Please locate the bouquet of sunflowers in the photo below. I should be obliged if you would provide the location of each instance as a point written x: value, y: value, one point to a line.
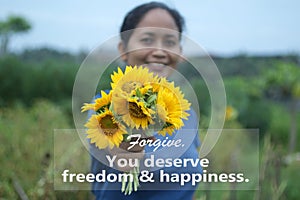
x: 138, y: 100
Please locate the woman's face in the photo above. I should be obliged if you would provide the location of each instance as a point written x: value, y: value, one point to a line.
x: 155, y: 43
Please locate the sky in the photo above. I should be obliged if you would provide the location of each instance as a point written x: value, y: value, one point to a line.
x: 223, y: 27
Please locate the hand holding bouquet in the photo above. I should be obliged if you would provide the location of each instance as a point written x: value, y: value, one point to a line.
x: 139, y: 102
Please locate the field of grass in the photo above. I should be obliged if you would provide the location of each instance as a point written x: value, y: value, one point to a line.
x: 27, y: 152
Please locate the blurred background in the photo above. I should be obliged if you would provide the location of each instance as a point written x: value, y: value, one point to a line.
x: 255, y: 45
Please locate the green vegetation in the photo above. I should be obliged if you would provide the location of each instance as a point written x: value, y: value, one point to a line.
x: 27, y: 150
x: 35, y: 98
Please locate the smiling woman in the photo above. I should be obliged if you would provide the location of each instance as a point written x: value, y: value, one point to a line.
x: 155, y: 48
x: 154, y: 42
x: 151, y: 41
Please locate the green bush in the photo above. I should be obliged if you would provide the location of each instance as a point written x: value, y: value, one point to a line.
x: 256, y: 115
x: 26, y: 81
x: 292, y: 175
x: 12, y: 78
x: 279, y: 125
x: 203, y: 96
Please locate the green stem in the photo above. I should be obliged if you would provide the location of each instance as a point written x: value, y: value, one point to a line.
x: 123, y: 184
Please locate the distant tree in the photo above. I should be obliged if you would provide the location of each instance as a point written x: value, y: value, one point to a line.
x: 283, y: 83
x: 12, y: 25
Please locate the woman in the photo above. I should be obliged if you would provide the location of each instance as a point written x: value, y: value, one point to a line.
x: 150, y: 36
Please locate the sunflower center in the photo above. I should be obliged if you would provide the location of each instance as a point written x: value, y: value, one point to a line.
x: 136, y: 111
x: 108, y: 126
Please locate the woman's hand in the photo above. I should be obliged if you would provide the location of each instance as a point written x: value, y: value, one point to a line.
x: 136, y: 152
x: 122, y: 152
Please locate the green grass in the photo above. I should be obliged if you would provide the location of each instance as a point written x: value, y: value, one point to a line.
x: 27, y: 148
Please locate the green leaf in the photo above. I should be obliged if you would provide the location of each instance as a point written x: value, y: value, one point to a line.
x: 138, y: 92
x: 151, y: 98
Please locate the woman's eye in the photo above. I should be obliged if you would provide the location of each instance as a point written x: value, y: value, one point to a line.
x: 147, y: 40
x: 170, y: 43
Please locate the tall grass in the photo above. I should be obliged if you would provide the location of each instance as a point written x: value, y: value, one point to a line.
x: 26, y: 151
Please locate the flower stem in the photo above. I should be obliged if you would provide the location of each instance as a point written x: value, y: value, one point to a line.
x: 130, y: 185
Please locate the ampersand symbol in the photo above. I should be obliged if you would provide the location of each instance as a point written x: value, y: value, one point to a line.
x: 146, y: 176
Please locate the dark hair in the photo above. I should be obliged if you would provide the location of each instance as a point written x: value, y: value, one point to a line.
x: 133, y: 17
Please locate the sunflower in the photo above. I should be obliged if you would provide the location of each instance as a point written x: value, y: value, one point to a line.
x: 133, y: 78
x: 116, y: 76
x: 104, y: 130
x: 134, y: 113
x: 171, y: 107
x: 138, y: 114
x: 99, y: 102
x: 129, y: 93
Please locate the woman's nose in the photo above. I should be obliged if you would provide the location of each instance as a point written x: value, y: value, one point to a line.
x: 159, y: 52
